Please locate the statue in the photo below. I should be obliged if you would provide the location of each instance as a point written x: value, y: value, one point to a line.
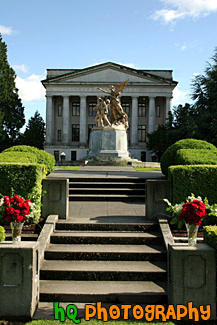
x: 118, y: 116
x: 102, y: 109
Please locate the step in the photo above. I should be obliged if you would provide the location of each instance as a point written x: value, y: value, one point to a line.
x: 107, y: 197
x: 126, y: 292
x: 105, y: 237
x: 121, y: 224
x: 107, y: 184
x: 103, y: 270
x: 105, y: 252
x: 106, y: 191
x: 107, y: 180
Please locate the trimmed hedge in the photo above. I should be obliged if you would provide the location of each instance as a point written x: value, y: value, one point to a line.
x: 210, y: 235
x: 196, y: 157
x: 24, y: 180
x: 198, y: 179
x: 2, y: 233
x: 169, y: 156
x: 18, y: 157
x: 43, y: 157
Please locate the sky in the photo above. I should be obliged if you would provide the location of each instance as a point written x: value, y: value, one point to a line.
x: 178, y: 35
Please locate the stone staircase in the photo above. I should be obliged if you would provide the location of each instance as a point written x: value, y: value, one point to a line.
x: 107, y: 189
x: 114, y: 263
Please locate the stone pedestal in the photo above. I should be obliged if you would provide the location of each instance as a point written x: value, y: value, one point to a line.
x: 108, y: 142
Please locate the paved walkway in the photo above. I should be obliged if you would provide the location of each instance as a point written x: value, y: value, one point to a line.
x: 100, y: 211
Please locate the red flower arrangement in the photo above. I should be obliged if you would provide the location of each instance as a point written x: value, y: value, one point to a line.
x: 193, y: 212
x: 16, y: 209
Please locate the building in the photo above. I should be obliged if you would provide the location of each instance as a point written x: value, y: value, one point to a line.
x: 72, y: 94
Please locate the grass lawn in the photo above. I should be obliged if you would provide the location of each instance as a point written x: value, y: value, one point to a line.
x: 68, y: 168
x: 148, y: 169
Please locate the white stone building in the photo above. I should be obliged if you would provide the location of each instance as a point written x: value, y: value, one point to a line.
x: 72, y: 94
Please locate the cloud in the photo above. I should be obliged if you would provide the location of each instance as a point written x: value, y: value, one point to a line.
x: 176, y: 10
x: 180, y: 97
x: 23, y: 67
x: 4, y: 30
x: 30, y: 88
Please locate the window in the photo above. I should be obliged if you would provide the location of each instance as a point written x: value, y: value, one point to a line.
x: 90, y: 126
x: 142, y: 109
x: 141, y: 133
x: 75, y: 109
x: 59, y: 110
x: 91, y: 112
x: 158, y: 111
x: 73, y: 155
x: 143, y: 156
x: 126, y: 108
x: 56, y: 155
x: 59, y: 135
x: 75, y: 132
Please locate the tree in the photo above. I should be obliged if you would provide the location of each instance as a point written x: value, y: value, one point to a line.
x: 205, y: 96
x: 34, y: 134
x: 11, y: 107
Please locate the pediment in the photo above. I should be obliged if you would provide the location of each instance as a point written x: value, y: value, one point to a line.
x: 107, y: 73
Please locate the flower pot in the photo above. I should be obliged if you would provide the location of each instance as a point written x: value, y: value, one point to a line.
x: 16, y: 228
x: 192, y: 234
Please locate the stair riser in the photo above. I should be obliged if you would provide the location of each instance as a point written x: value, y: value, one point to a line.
x: 108, y: 185
x: 106, y: 199
x: 102, y: 276
x: 108, y: 180
x: 109, y: 298
x: 105, y: 227
x: 106, y: 241
x: 100, y: 191
x: 104, y: 256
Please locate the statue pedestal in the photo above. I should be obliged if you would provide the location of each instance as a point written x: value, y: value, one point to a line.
x: 108, y: 142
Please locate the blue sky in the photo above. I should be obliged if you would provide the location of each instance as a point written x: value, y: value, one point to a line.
x: 144, y: 34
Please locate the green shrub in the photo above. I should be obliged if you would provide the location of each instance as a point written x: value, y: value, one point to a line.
x: 19, y: 157
x: 24, y: 180
x: 2, y: 233
x: 43, y: 157
x: 196, y: 157
x: 169, y: 156
x: 210, y: 235
x: 198, y: 179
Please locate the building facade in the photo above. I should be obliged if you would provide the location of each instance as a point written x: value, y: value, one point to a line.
x: 72, y: 94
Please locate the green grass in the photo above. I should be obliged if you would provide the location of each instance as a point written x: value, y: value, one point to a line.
x: 95, y: 322
x: 148, y: 169
x: 68, y: 167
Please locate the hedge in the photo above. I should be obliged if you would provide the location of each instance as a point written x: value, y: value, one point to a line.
x: 43, y: 157
x: 24, y: 180
x: 196, y: 157
x: 169, y: 156
x: 19, y: 157
x: 2, y: 233
x: 200, y: 180
x: 210, y: 235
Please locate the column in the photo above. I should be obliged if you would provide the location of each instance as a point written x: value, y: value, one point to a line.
x: 83, y: 120
x: 134, y: 122
x: 151, y: 118
x: 168, y: 106
x: 49, y: 119
x: 66, y: 120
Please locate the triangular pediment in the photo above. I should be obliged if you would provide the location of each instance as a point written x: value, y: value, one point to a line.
x: 109, y: 73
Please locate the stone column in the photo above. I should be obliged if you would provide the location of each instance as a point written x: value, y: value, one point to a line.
x: 83, y: 120
x: 151, y: 118
x: 134, y: 122
x: 168, y: 106
x: 49, y: 119
x: 66, y: 120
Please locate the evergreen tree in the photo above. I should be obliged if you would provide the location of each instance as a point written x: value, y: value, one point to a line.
x: 11, y: 107
x: 34, y: 134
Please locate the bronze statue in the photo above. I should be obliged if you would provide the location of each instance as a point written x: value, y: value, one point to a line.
x: 118, y: 116
x: 102, y: 109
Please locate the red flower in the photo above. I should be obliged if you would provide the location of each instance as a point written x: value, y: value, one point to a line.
x: 8, y: 218
x: 16, y: 212
x: 12, y: 200
x: 19, y: 218
x: 25, y: 205
x: 25, y: 212
x: 193, y: 212
x: 6, y: 201
x: 18, y: 199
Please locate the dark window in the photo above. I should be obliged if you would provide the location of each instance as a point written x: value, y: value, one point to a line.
x: 142, y: 109
x: 59, y: 135
x: 141, y: 133
x: 91, y: 112
x: 158, y: 111
x: 75, y: 132
x: 56, y: 155
x: 59, y: 110
x: 126, y: 108
x: 90, y: 126
x: 75, y: 109
x: 143, y: 156
x: 73, y: 155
